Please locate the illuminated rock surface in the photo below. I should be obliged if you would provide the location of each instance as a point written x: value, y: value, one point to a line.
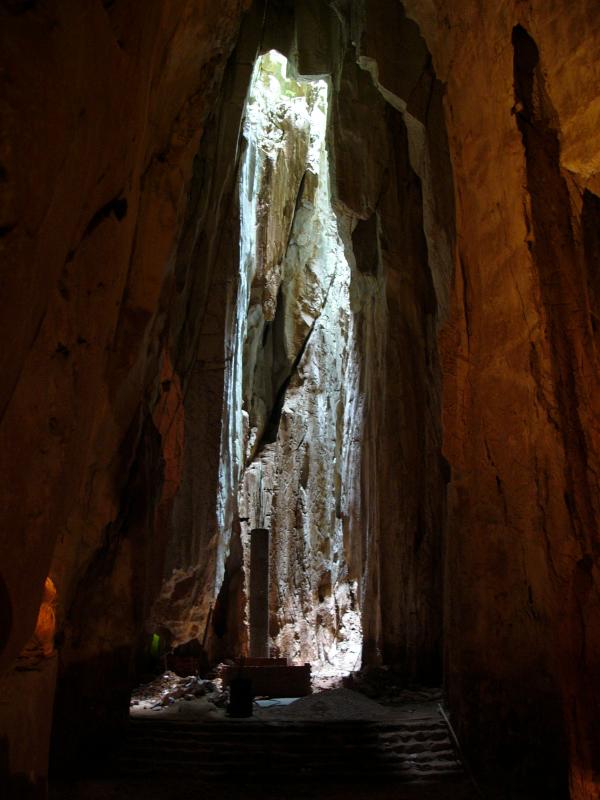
x: 298, y: 366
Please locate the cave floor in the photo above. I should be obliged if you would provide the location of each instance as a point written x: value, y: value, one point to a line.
x: 182, y: 790
x: 334, y: 744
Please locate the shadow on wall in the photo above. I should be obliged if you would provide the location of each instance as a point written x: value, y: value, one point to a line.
x: 567, y: 275
x: 6, y: 614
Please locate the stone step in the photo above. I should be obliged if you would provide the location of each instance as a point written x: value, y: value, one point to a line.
x: 204, y: 772
x: 329, y: 757
x: 288, y: 725
x: 249, y: 750
x: 348, y: 735
x: 299, y: 735
x: 392, y: 724
x: 285, y: 742
x: 239, y: 731
x: 259, y: 777
x: 288, y: 754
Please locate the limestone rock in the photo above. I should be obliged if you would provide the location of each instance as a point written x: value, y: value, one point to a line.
x: 119, y: 231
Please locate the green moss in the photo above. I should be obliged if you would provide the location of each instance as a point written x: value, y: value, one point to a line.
x: 155, y: 645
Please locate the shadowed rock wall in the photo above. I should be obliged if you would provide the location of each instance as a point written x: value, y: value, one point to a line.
x: 110, y: 105
x: 520, y: 377
x: 404, y: 206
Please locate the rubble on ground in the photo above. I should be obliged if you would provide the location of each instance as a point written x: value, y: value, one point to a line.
x: 172, y: 692
x: 388, y: 687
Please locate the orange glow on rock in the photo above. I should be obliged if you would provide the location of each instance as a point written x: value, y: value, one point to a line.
x: 46, y: 621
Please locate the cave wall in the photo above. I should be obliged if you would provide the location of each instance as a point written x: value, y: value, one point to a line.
x: 298, y: 373
x: 337, y: 425
x: 77, y: 340
x: 140, y: 392
x: 519, y: 366
x: 110, y: 104
x: 330, y: 547
x: 96, y: 291
x: 388, y: 118
x: 206, y: 272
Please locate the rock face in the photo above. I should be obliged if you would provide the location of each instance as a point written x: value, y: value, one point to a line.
x: 400, y: 201
x: 313, y: 367
x: 111, y: 107
x: 468, y: 215
x: 297, y: 365
x: 520, y: 385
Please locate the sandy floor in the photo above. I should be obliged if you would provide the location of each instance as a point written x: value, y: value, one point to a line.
x: 171, y: 697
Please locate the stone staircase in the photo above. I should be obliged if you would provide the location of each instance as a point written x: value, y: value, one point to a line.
x: 255, y: 751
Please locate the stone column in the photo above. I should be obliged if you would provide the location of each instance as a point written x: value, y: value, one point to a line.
x: 259, y: 593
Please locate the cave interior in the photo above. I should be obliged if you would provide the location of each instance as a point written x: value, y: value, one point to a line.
x: 326, y: 270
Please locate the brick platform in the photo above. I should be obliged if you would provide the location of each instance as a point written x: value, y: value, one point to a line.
x: 271, y: 677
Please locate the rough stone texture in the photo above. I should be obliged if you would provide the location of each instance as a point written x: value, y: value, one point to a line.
x: 200, y: 525
x: 403, y: 187
x: 521, y: 386
x: 313, y: 351
x: 296, y: 361
x: 110, y: 106
x: 410, y: 479
x: 113, y: 383
x: 96, y: 185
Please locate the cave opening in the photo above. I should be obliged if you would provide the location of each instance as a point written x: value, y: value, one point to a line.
x: 331, y: 420
x: 336, y: 230
x: 293, y: 373
x: 322, y: 200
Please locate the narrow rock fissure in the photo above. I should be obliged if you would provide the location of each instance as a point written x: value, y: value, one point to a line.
x: 564, y: 277
x: 272, y: 426
x: 294, y: 335
x: 553, y: 242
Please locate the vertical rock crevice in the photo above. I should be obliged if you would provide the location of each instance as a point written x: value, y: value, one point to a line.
x: 295, y: 352
x: 590, y: 224
x: 386, y: 503
x: 566, y: 273
x: 396, y: 104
